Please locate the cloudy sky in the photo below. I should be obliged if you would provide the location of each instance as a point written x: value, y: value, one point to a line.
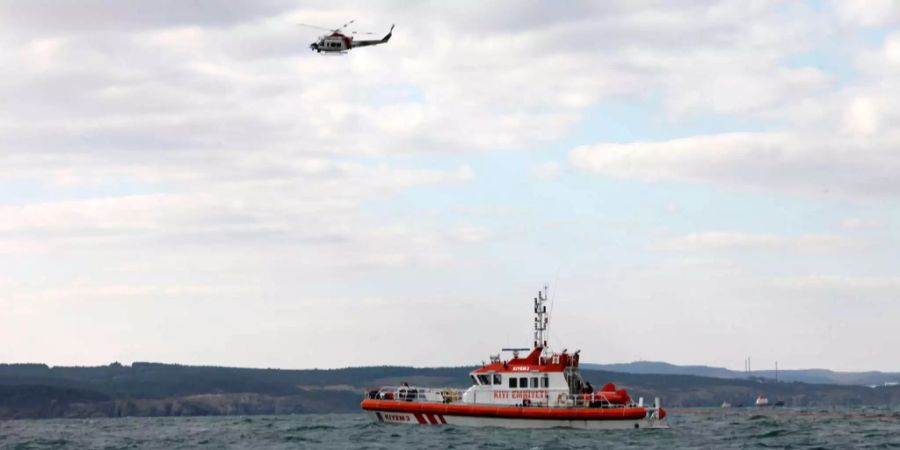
x: 184, y: 181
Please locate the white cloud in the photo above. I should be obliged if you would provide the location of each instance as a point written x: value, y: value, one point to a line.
x: 737, y: 241
x: 20, y: 246
x: 862, y: 285
x: 546, y: 171
x: 867, y: 12
x: 311, y: 200
x: 862, y: 117
x: 116, y: 293
x: 859, y: 224
x: 833, y: 139
x: 145, y: 145
x: 794, y: 162
x: 179, y: 83
x: 472, y: 234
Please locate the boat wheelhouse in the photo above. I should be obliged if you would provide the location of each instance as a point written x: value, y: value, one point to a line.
x: 537, y: 389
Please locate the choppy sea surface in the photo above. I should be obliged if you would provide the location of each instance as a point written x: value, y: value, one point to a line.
x: 691, y: 428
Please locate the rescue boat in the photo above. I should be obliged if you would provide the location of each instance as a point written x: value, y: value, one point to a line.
x: 542, y: 389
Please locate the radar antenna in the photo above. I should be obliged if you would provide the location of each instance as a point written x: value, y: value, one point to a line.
x: 541, y: 320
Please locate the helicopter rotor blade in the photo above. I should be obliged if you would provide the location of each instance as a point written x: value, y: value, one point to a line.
x: 313, y: 26
x: 344, y: 25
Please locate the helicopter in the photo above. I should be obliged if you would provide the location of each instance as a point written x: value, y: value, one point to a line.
x: 339, y: 41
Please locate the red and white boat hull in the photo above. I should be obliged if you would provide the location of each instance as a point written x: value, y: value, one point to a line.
x: 414, y: 413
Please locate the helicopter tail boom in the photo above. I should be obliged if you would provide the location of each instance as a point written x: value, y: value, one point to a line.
x: 387, y: 37
x: 383, y: 40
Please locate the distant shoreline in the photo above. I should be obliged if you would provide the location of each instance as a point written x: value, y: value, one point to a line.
x: 29, y: 391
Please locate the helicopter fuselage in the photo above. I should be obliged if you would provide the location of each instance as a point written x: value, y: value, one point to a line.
x: 332, y: 43
x: 337, y: 42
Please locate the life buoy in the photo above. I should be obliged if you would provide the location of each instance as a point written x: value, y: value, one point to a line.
x: 562, y: 398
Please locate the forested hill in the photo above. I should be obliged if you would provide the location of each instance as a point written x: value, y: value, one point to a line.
x: 147, y: 389
x: 817, y: 376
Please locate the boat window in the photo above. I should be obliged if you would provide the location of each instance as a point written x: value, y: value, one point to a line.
x: 545, y: 382
x: 474, y: 380
x: 483, y: 379
x: 513, y: 382
x: 523, y: 383
x: 534, y: 382
x: 497, y: 380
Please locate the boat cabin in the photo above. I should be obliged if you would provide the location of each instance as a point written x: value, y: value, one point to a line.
x: 533, y: 380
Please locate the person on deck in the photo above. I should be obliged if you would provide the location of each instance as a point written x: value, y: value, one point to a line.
x: 588, y: 389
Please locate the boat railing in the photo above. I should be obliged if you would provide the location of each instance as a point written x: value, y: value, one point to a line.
x: 416, y: 394
x: 594, y: 403
x: 587, y: 401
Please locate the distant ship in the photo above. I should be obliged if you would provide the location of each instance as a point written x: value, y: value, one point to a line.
x: 542, y: 389
x: 726, y: 405
x: 762, y: 401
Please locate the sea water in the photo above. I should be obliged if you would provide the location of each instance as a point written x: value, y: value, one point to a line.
x: 690, y: 428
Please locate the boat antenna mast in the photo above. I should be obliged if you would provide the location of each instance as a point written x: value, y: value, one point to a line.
x: 541, y: 321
